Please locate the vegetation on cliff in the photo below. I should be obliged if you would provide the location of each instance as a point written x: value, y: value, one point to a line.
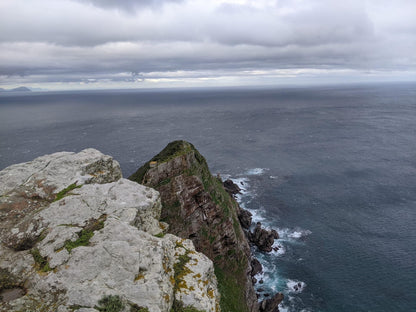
x: 196, y: 206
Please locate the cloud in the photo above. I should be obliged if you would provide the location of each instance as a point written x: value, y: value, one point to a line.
x: 129, y: 5
x: 73, y: 40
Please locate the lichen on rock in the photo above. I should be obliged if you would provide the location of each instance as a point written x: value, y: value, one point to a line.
x: 66, y: 253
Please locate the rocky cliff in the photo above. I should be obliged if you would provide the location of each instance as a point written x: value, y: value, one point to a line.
x: 76, y: 236
x: 196, y: 206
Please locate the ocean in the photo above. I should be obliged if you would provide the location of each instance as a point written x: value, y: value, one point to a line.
x: 333, y: 169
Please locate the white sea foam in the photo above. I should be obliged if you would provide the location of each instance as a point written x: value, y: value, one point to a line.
x: 271, y: 279
x: 242, y: 184
x: 256, y: 171
x: 294, y: 286
x: 292, y: 234
x: 278, y: 249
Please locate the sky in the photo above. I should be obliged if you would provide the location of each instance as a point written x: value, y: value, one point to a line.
x: 105, y: 44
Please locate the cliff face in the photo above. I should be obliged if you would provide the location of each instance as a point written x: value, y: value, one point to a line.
x: 197, y: 207
x: 75, y: 236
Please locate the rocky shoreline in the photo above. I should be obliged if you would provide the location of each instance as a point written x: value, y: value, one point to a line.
x: 76, y: 236
x: 203, y: 208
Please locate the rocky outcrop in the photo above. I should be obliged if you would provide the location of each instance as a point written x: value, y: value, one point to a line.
x: 262, y: 238
x: 75, y: 236
x: 272, y: 304
x: 231, y: 187
x: 196, y: 206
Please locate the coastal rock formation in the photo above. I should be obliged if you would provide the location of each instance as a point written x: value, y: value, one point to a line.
x: 263, y: 238
x: 196, y: 206
x: 231, y: 187
x: 75, y: 236
x: 272, y: 304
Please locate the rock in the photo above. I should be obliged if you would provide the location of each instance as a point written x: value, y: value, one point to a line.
x: 231, y: 187
x: 271, y: 304
x: 256, y: 267
x: 262, y: 238
x: 64, y: 248
x: 245, y: 218
x: 196, y: 206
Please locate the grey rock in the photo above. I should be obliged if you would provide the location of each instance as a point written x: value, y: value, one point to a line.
x: 119, y: 254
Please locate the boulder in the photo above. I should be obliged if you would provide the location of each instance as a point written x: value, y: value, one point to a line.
x: 271, y: 304
x: 75, y: 235
x: 263, y: 238
x: 231, y: 187
x: 245, y: 217
x: 256, y: 267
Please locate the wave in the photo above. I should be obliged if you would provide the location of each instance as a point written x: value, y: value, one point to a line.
x: 256, y: 171
x: 294, y: 286
x: 292, y: 234
x: 271, y: 280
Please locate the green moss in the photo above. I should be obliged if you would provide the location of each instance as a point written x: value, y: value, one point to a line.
x: 42, y: 263
x: 160, y: 235
x: 110, y: 304
x: 86, y: 233
x: 83, y: 240
x: 65, y: 191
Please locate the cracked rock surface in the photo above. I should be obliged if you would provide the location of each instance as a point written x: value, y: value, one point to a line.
x: 73, y: 231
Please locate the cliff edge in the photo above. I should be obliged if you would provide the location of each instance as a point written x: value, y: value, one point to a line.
x: 76, y: 236
x: 197, y: 207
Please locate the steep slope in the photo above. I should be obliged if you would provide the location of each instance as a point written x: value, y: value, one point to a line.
x: 196, y: 206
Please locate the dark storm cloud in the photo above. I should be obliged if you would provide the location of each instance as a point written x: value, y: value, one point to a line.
x: 129, y: 5
x: 70, y: 40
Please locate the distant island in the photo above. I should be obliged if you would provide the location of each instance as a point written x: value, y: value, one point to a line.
x: 18, y: 89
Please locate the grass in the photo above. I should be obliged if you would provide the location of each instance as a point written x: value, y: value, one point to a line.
x: 231, y: 290
x: 65, y: 191
x: 135, y: 308
x: 110, y: 304
x: 85, y: 234
x: 172, y: 150
x: 41, y: 263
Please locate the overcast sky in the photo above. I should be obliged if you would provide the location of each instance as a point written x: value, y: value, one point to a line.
x: 76, y: 44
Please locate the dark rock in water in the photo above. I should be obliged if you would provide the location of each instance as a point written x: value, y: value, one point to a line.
x: 266, y: 295
x: 254, y: 280
x: 231, y: 187
x: 245, y: 218
x: 261, y: 281
x: 271, y: 304
x: 262, y: 238
x: 260, y: 289
x: 196, y: 205
x: 256, y: 267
